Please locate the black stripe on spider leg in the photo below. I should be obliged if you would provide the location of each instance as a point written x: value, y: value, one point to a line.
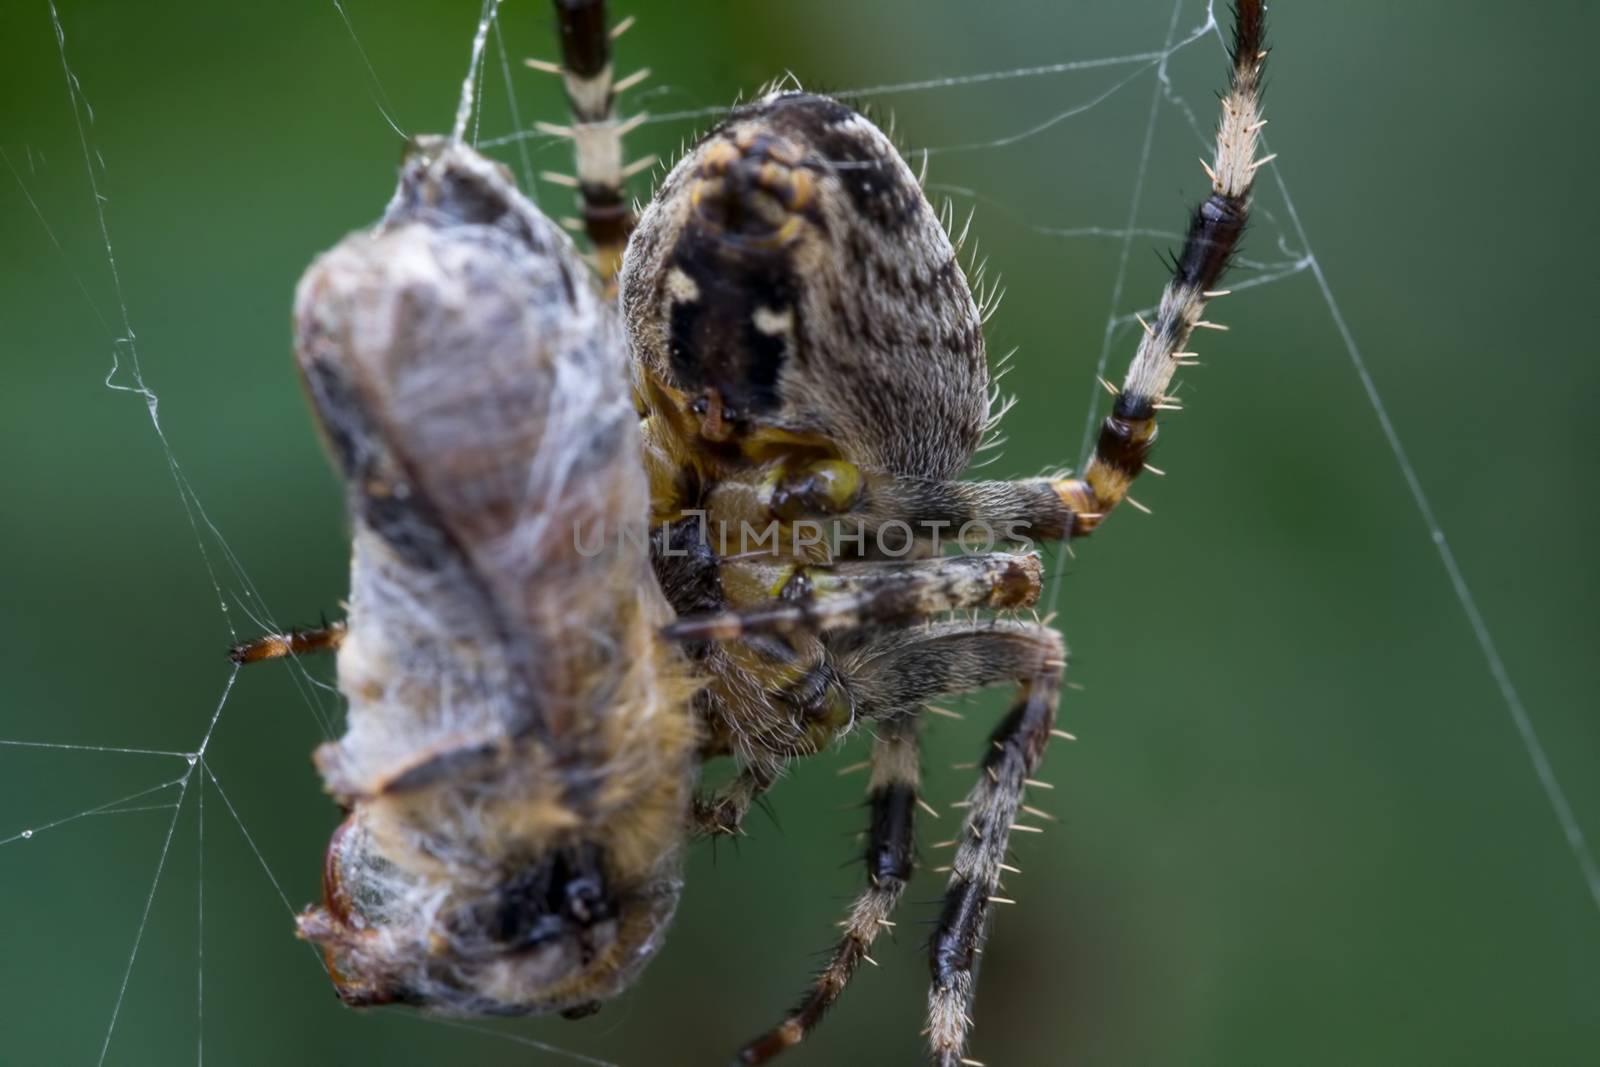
x: 1213, y: 236
x: 889, y: 859
x: 1249, y: 33
x: 1127, y: 434
x: 1215, y: 228
x: 890, y: 843
x: 585, y: 37
x: 1015, y: 749
x: 591, y: 88
x: 607, y: 218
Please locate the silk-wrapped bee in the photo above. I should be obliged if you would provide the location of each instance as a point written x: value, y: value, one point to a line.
x: 783, y: 342
x: 519, y: 751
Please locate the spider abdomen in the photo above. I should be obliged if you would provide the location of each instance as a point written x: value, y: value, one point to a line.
x: 790, y: 279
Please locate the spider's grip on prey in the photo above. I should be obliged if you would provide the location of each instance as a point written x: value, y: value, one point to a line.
x: 784, y: 334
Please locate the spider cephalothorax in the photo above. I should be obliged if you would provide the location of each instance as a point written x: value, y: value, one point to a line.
x: 791, y: 386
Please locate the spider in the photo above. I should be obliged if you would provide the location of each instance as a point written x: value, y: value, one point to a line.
x: 781, y: 365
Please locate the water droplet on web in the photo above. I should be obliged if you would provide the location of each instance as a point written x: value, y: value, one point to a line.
x: 26, y: 834
x: 190, y: 758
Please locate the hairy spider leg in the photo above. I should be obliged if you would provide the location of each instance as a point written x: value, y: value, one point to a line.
x: 893, y: 676
x: 1214, y: 231
x: 1062, y: 508
x: 606, y: 216
x: 1015, y: 749
x: 891, y: 844
x: 723, y: 812
x: 852, y: 595
x: 849, y: 597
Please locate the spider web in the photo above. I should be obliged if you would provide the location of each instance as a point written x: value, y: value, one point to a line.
x: 179, y: 782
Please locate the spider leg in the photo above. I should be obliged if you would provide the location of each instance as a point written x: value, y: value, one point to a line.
x: 1029, y: 509
x: 847, y: 596
x: 851, y: 600
x: 1125, y: 439
x: 893, y: 676
x: 294, y: 643
x: 723, y: 811
x: 596, y: 133
x: 1214, y: 231
x: 892, y: 796
x: 1015, y: 749
x: 1059, y: 508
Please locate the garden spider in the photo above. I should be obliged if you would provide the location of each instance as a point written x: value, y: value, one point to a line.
x: 527, y: 716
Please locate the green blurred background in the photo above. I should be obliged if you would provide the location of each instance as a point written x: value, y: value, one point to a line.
x: 1300, y: 827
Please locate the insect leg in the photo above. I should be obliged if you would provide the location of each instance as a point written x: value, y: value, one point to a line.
x: 294, y: 643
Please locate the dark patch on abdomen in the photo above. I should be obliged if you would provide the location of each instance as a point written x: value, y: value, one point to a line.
x: 381, y: 496
x: 713, y: 341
